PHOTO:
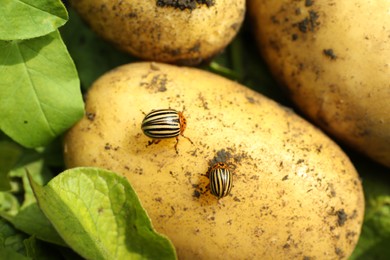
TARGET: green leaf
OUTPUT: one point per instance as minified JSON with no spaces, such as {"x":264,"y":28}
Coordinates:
{"x":29,"y":218}
{"x":39,"y":90}
{"x":374,"y":240}
{"x":37,"y":249}
{"x":9,"y":155}
{"x":24,"y":19}
{"x":8,"y":204}
{"x":92,"y":55}
{"x":68,"y":254}
{"x":99,"y":215}
{"x":52,"y":154}
{"x":33,"y":162}
{"x":11,"y":238}
{"x":7,"y":253}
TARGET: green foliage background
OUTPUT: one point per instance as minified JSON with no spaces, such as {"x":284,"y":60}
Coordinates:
{"x":46,"y":64}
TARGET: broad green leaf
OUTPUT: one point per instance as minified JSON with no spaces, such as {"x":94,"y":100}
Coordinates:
{"x":53,"y":154}
{"x":92,"y":55}
{"x":9,"y":155}
{"x":39,"y":90}
{"x":68,"y":254}
{"x":33,"y":162}
{"x":99,"y":215}
{"x":374,"y":240}
{"x":37,"y":249}
{"x":11,"y":238}
{"x":31,"y":220}
{"x":24,"y":19}
{"x":7,"y":253}
{"x":8,"y":204}
{"x":375,"y":237}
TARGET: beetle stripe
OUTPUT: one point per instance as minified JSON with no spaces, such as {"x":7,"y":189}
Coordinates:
{"x":161,"y":112}
{"x":158,"y":134}
{"x":162,"y":123}
{"x":220,"y":182}
{"x":167,"y":121}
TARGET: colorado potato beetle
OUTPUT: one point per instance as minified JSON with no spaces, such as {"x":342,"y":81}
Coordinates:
{"x":221,"y":181}
{"x":164,"y":123}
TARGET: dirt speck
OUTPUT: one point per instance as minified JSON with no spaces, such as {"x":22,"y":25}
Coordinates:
{"x":294,"y":37}
{"x":184,"y":4}
{"x":339,"y":252}
{"x":341,"y":217}
{"x":300,"y":161}
{"x":204,"y":102}
{"x":131,"y":14}
{"x":331,"y":190}
{"x":309,"y":23}
{"x":195,"y":48}
{"x":308,"y":3}
{"x":158,"y":83}
{"x":330,"y":53}
{"x":196,"y":194}
{"x":90,"y":116}
{"x":350,"y":235}
{"x":221,"y":156}
{"x":250,"y":100}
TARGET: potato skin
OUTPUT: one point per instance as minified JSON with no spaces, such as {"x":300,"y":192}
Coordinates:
{"x":295,"y":193}
{"x":333,"y":57}
{"x":164,"y":33}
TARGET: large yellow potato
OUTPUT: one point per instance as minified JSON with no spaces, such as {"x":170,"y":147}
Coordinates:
{"x":182,"y":32}
{"x":295,"y":193}
{"x":334,"y":58}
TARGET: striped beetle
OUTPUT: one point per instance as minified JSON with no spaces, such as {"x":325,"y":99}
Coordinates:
{"x":221,"y":181}
{"x":164,"y":123}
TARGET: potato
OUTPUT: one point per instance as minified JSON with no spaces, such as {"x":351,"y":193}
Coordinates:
{"x":295,"y":193}
{"x":181,"y":32}
{"x":334,"y":59}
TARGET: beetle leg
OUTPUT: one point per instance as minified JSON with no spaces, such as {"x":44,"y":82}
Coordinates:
{"x":154,"y":141}
{"x":177,"y":141}
{"x":187,"y":138}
